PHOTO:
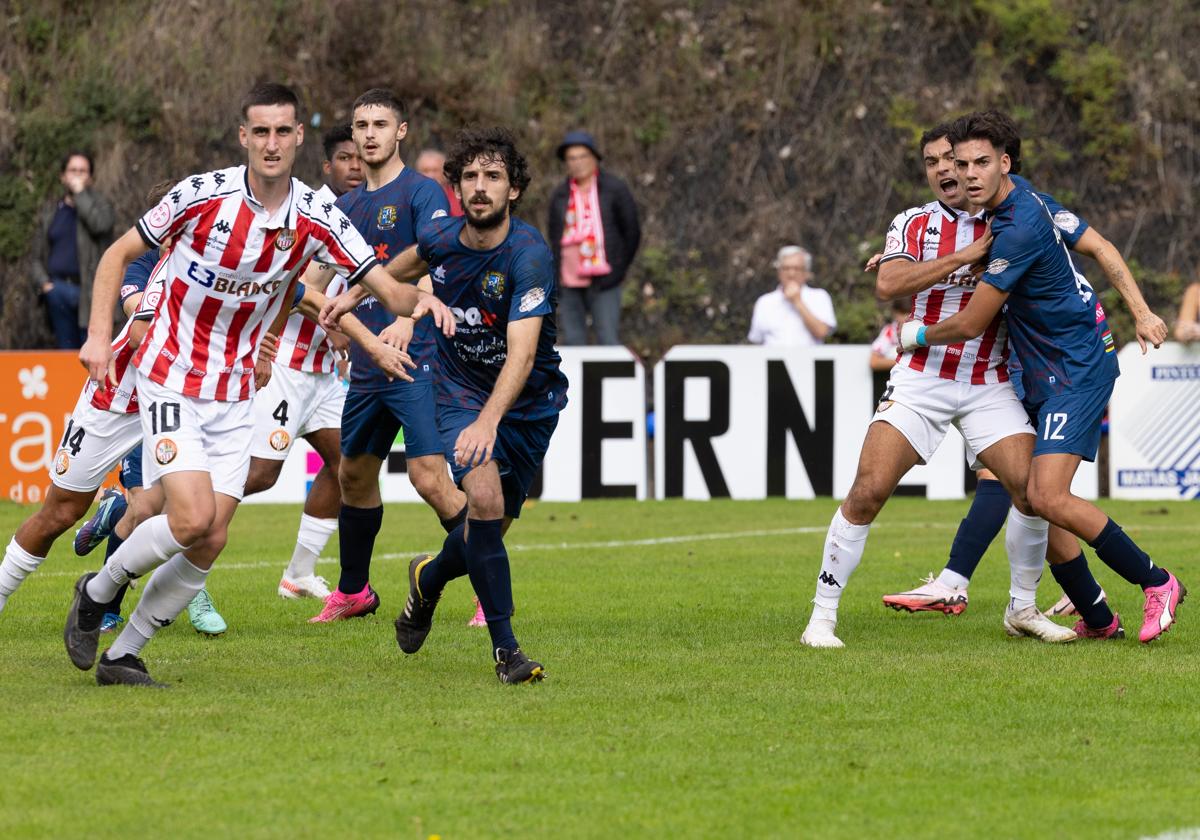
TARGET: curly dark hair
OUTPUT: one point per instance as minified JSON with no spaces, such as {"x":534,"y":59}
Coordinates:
{"x":490,"y":144}
{"x":996,"y":127}
{"x":336,"y":135}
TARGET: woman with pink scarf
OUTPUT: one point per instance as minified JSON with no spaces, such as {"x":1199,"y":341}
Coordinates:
{"x":594,"y":233}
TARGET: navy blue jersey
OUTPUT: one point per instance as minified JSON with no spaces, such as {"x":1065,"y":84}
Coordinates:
{"x":388,"y":220}
{"x":1056,"y":328}
{"x":137,"y":275}
{"x":486,"y":290}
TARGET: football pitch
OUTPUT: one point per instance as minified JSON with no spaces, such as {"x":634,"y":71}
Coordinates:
{"x":678,"y":700}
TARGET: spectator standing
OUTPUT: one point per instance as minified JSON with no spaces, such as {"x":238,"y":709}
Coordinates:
{"x":887,"y":344}
{"x":432,"y":164}
{"x":1187,"y":325}
{"x":594,"y":233}
{"x":73,"y":231}
{"x":795,"y":314}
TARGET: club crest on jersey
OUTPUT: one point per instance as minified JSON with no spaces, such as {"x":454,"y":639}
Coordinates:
{"x":386,"y":220}
{"x":165,"y":451}
{"x":493,"y":285}
{"x":532,"y":299}
{"x":285,"y":239}
{"x":997,"y":266}
{"x":62,"y":462}
{"x":279,"y":440}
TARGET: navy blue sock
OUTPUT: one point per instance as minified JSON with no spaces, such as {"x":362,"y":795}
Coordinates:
{"x":451,"y":563}
{"x":1081,"y":587}
{"x":487,"y":564}
{"x":1122,"y":555}
{"x":455,"y":521}
{"x":357,"y":528}
{"x":979,"y":527}
{"x":114,"y":542}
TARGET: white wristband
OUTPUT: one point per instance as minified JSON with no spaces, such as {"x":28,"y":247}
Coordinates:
{"x":908,"y":335}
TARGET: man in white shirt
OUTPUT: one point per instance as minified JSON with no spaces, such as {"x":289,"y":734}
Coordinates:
{"x":795,"y":314}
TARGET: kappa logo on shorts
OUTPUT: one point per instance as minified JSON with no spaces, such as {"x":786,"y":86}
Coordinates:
{"x":997,"y":266}
{"x":279,"y":440}
{"x":285,"y":239}
{"x":885,"y":405}
{"x":386,"y":220}
{"x":165,"y":451}
{"x":62,"y":462}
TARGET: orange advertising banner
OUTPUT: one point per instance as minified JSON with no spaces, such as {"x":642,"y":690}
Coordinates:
{"x":38,"y":392}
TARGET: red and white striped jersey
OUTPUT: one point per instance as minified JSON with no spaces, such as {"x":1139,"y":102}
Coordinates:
{"x":926,"y":233}
{"x":122,"y":398}
{"x":303,"y":345}
{"x":232,"y":266}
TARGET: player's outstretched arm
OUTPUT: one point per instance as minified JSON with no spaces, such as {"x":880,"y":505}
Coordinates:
{"x":902,"y":277}
{"x":962,"y":326}
{"x":96,"y":353}
{"x":391,"y":360}
{"x":406,"y":266}
{"x":1150,"y":328}
{"x":474,"y":445}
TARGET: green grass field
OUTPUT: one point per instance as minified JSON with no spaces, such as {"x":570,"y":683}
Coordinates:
{"x":678,"y":700}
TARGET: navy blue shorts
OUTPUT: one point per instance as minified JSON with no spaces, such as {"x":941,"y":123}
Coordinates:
{"x":370,"y":421}
{"x":1070,"y":423}
{"x":520,"y":447}
{"x":131,"y":469}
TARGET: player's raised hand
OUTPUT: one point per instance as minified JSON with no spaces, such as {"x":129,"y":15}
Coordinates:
{"x":1150,"y":328}
{"x":475,"y":443}
{"x":434,"y":308}
{"x":398,"y":333}
{"x":976,"y":253}
{"x":873,"y":263}
{"x":391,"y":360}
{"x":96,"y":356}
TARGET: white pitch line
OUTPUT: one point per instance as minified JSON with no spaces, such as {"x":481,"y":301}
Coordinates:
{"x":1178,"y":834}
{"x":559,"y":546}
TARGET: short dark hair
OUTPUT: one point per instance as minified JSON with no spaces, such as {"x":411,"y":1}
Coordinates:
{"x":936,"y":133}
{"x":338,"y":134}
{"x":74,"y":153}
{"x":492,"y":144}
{"x":386,"y":98}
{"x":994,"y":126}
{"x":158,"y":192}
{"x":270,"y":93}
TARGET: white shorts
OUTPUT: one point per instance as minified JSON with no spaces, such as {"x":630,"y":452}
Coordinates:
{"x":294,"y":404}
{"x":95,"y":441}
{"x":186,"y":433}
{"x":921,"y":407}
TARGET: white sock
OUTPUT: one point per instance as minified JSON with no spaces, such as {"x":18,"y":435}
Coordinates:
{"x":311,"y":540}
{"x":172,"y":586}
{"x":953,"y":579}
{"x":844,"y":546}
{"x":147,"y":547}
{"x":1025,"y":538}
{"x":18,"y":564}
